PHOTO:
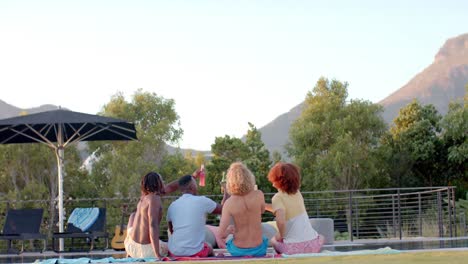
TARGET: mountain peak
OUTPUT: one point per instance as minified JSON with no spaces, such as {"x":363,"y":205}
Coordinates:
{"x":441,"y":82}
{"x":454,"y":49}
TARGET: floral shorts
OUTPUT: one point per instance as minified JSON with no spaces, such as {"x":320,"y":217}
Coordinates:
{"x":309,"y":246}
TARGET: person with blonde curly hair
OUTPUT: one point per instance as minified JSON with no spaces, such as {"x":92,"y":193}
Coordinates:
{"x":245,"y":208}
{"x":295,"y":235}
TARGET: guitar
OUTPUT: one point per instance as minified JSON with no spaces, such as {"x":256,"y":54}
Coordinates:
{"x":117,"y":242}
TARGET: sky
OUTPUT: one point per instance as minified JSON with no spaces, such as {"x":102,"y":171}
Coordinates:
{"x":225,"y":63}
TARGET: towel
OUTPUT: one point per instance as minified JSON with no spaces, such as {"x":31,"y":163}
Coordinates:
{"x":83,"y":218}
{"x":133,"y":260}
{"x":88,"y":260}
{"x":385,"y":250}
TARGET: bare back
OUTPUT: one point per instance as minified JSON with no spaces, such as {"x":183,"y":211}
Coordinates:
{"x":147,"y":218}
{"x":246,"y":211}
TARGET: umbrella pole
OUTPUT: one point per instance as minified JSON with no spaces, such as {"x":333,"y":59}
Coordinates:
{"x":60,"y":158}
{"x":60,"y":154}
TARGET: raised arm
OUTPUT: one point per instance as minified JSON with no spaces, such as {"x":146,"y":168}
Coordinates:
{"x":219,"y":207}
{"x":171,"y":187}
{"x":174,"y":185}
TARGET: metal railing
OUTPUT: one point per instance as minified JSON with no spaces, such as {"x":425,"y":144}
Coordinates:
{"x":388,"y":213}
{"x":357,"y":214}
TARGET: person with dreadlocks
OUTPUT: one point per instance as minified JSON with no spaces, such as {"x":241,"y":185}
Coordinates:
{"x":142,"y":239}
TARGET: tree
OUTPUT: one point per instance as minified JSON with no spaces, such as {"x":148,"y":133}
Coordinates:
{"x":396,"y":162}
{"x":253,"y":153}
{"x":416,"y":132}
{"x":333,"y":140}
{"x":276,"y":157}
{"x":225,"y":151}
{"x":200,"y":159}
{"x":120,"y":165}
{"x":176,"y":165}
{"x":455,"y":140}
{"x":258,"y":160}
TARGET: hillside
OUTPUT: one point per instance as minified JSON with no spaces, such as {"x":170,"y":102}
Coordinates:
{"x":438,"y":84}
{"x":8,"y":110}
{"x":275,"y":134}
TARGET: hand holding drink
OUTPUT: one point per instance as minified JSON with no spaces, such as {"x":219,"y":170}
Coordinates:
{"x":202,"y":176}
{"x":222,"y":183}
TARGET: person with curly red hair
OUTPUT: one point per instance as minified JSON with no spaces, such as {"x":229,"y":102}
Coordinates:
{"x":295,"y":235}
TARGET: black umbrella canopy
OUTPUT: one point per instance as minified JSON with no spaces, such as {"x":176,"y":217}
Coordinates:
{"x":45,"y":126}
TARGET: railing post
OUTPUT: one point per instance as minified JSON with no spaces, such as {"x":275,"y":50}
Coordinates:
{"x":449,"y":207}
{"x":350,"y":216}
{"x":454,"y":211}
{"x":420,"y":214}
{"x":393,"y":216}
{"x":399,"y":215}
{"x":356,"y":205}
{"x":463,"y":223}
{"x":439,"y":214}
{"x":317,"y":207}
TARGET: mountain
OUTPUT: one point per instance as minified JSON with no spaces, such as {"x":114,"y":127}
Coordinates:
{"x":439,"y":84}
{"x":8,"y":110}
{"x":275,"y":134}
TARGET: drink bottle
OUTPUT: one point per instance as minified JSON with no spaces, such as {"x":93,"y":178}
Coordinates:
{"x":223,"y":182}
{"x":202,"y":176}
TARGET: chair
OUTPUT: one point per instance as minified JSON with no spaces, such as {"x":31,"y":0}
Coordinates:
{"x":325,"y":227}
{"x":92,"y":231}
{"x":23,"y":224}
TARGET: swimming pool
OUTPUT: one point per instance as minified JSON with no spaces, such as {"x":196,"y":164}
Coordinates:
{"x":414,"y":244}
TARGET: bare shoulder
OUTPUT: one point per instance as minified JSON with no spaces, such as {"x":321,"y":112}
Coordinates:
{"x":259,"y":197}
{"x":229,"y":202}
{"x":153,"y":199}
{"x":258,"y":193}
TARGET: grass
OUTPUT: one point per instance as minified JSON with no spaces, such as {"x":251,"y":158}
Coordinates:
{"x":452,"y":257}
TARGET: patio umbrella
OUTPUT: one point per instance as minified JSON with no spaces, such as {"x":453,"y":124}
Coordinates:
{"x":60,"y":128}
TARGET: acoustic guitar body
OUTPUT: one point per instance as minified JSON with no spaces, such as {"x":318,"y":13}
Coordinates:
{"x":117,"y":242}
